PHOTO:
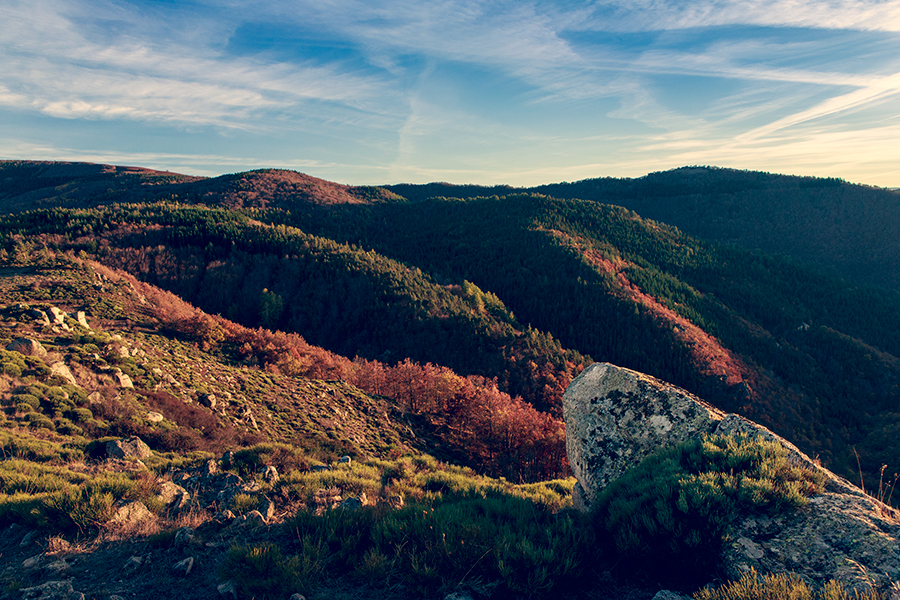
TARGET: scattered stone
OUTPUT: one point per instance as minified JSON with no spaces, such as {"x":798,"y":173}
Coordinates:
{"x":269,"y":512}
{"x":155,"y":417}
{"x":58,"y":317}
{"x":320,"y":468}
{"x":207,"y":400}
{"x":183,"y":568}
{"x":134,"y":563}
{"x":669,"y":595}
{"x":59,"y":369}
{"x":354,"y":503}
{"x":184,"y":537}
{"x":53,"y":590}
{"x":228,"y":589}
{"x":175,"y":496}
{"x":254,"y":518}
{"x":32,"y":561}
{"x":157,"y":372}
{"x":616,"y":417}
{"x":297,"y":597}
{"x":271,"y":474}
{"x":95,"y":398}
{"x":131,"y":515}
{"x":38,"y":315}
{"x":27,"y":347}
{"x":28,"y":538}
{"x":122,"y":379}
{"x":82,"y":319}
{"x":344,"y":460}
{"x":133,"y":447}
{"x":57,"y":568}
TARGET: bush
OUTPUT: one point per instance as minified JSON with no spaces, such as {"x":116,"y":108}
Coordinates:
{"x":262,"y":572}
{"x":674,"y":507}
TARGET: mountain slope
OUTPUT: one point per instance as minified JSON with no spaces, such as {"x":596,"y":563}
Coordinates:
{"x":522,"y":288}
{"x":830,"y":223}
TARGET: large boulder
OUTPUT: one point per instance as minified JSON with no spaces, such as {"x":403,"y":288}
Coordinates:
{"x":133,"y":447}
{"x":616,"y":417}
{"x":27,"y":347}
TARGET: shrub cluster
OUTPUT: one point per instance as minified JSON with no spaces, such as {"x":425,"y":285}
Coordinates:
{"x":675,"y":506}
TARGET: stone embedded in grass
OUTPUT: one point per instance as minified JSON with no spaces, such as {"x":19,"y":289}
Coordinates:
{"x":183,"y":567}
{"x":133,"y":447}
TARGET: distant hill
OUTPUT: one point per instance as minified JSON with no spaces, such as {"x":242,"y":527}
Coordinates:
{"x":845,"y":228}
{"x":506,"y":291}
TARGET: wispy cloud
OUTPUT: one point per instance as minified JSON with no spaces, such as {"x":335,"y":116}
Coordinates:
{"x":51,"y":65}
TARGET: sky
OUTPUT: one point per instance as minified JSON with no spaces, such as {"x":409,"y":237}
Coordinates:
{"x":463,"y":91}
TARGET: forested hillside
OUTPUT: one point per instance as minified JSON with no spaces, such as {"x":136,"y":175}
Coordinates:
{"x":517,"y":290}
{"x":845,"y":228}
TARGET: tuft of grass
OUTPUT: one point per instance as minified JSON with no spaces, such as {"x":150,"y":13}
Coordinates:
{"x":675,"y":506}
{"x":781,"y":586}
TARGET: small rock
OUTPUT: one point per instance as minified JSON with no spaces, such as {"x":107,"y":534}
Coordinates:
{"x":27,"y":347}
{"x":271,"y":474}
{"x":183,"y":568}
{"x":59,"y":369}
{"x":131,"y":515}
{"x":122,"y":379}
{"x":133,"y":563}
{"x":82,"y":319}
{"x":228,"y":589}
{"x":353,"y":503}
{"x":184,"y":537}
{"x":57,"y":568}
{"x":344,"y":460}
{"x":53,"y":590}
{"x":269,"y":511}
{"x":173,"y":495}
{"x":133,"y":447}
{"x":95,"y":398}
{"x":29,"y":537}
{"x":58,"y":317}
{"x":207,"y":400}
{"x":254,"y":518}
{"x":32,"y":561}
{"x":297,"y":597}
{"x":669,"y":595}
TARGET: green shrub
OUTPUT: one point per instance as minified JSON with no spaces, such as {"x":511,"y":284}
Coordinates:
{"x":39,"y":421}
{"x":81,"y":415}
{"x":67,"y":427}
{"x":262,"y":572}
{"x":11,"y":369}
{"x":674,"y":507}
{"x":244,"y":503}
{"x":29,"y":399}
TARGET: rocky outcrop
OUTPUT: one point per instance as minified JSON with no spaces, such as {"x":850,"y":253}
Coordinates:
{"x":616,"y":417}
{"x":27,"y":347}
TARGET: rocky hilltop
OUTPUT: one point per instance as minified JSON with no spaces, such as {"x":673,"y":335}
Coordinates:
{"x":616,"y":418}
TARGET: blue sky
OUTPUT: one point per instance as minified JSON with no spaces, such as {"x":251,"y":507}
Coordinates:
{"x":465,"y":91}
